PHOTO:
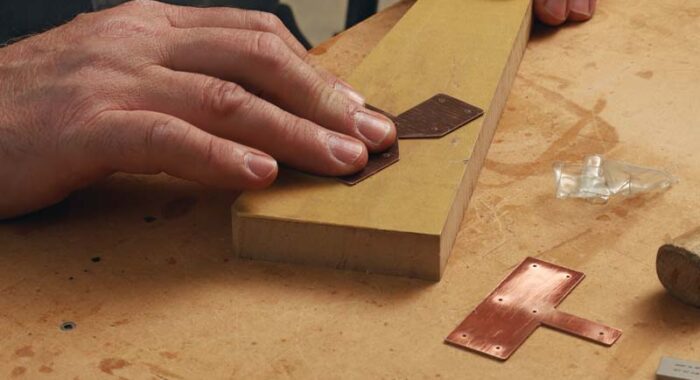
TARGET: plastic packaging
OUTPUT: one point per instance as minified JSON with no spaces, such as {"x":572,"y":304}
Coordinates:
{"x":598,"y":179}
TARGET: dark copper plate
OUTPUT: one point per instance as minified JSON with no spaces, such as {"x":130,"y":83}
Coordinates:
{"x":435,"y":117}
{"x":381,"y":111}
{"x":526,"y":299}
{"x":375,"y":163}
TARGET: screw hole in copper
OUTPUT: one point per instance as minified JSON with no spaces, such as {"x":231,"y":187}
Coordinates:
{"x":498,"y":348}
{"x":534,"y":265}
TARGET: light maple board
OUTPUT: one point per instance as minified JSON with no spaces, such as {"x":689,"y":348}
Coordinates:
{"x":402,"y":221}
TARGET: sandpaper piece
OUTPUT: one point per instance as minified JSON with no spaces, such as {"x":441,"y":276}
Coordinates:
{"x":375,"y":163}
{"x":676,"y":369}
{"x":525,"y":300}
{"x":435,"y":117}
{"x":381,"y":111}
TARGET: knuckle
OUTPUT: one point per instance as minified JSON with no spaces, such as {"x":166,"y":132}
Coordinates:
{"x":164,"y":132}
{"x":272,"y":50}
{"x":270,"y":22}
{"x":319,"y":95}
{"x":79,"y":106}
{"x":224,"y":98}
{"x":82,"y":18}
{"x":211,"y":152}
{"x":171,"y":14}
{"x":139,"y":4}
{"x":300,"y":132}
{"x":125,"y":26}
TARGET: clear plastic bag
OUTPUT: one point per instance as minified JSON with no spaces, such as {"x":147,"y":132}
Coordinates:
{"x":598,"y":179}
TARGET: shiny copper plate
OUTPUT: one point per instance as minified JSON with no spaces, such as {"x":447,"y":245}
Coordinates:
{"x":525,"y":300}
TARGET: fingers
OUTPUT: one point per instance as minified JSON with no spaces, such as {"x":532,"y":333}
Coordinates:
{"x":191,"y":17}
{"x":149,"y":142}
{"x":582,"y":10}
{"x":556,"y":12}
{"x":262,"y":63}
{"x":229,"y":111}
{"x":194,"y":17}
{"x":224,"y":17}
{"x":551,"y":12}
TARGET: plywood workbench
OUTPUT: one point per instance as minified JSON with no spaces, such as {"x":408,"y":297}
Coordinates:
{"x":165,"y":300}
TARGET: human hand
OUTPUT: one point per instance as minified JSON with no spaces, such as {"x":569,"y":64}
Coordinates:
{"x":211,"y":95}
{"x":556,"y":12}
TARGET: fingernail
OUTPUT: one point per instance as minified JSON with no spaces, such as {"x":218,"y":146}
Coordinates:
{"x":582,"y":7}
{"x":345,"y":149}
{"x":261,"y":166}
{"x":347,"y":90}
{"x":556,"y":8}
{"x":373,"y":127}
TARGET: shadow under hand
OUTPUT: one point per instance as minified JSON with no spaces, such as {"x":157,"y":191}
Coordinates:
{"x":138,"y":243}
{"x":542,"y":31}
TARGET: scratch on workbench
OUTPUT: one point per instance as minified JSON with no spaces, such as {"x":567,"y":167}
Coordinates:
{"x":161,"y":372}
{"x":493,"y":215}
{"x":564,"y":242}
{"x":597,"y":109}
{"x":299,"y":353}
{"x":497,"y":246}
{"x":562,"y":83}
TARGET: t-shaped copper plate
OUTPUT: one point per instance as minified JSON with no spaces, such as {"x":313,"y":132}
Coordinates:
{"x":526,"y":299}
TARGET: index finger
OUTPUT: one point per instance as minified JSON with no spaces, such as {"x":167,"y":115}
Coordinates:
{"x":193,"y":17}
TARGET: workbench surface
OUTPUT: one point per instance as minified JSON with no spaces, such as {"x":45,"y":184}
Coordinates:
{"x":142,"y":265}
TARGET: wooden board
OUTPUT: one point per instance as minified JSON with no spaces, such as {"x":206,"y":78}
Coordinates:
{"x":166,"y":300}
{"x":404,"y":220}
